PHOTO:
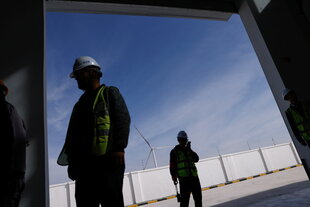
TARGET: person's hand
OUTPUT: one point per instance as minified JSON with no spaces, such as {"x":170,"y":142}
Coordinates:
{"x":175,"y":179}
{"x":188,"y":145}
{"x":119,"y":157}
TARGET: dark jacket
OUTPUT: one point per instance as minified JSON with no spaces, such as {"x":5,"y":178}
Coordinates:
{"x":14,"y":141}
{"x":77,"y":149}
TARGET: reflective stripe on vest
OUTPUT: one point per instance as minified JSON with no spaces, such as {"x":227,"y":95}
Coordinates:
{"x":302,"y":123}
{"x":101,"y":124}
{"x":185,"y":166}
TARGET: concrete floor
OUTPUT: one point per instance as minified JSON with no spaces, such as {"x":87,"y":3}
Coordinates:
{"x":288,"y":188}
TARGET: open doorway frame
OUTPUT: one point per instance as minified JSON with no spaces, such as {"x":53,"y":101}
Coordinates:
{"x":279,"y":32}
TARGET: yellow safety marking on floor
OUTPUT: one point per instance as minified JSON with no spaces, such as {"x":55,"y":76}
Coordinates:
{"x":219,"y":185}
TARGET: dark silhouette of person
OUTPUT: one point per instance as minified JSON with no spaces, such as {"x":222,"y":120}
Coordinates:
{"x":13,"y":153}
{"x":184,"y":171}
{"x":298,"y":115}
{"x":96,"y":139}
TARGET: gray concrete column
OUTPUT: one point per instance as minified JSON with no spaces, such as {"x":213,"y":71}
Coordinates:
{"x":263,"y":159}
{"x":223,"y":168}
{"x":280,"y":33}
{"x":22,"y":68}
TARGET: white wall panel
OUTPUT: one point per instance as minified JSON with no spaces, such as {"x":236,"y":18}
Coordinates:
{"x":247,"y":164}
{"x":127,"y":187}
{"x":157,"y":183}
{"x":58,"y":195}
{"x":279,"y":157}
{"x":210,"y":172}
{"x":151,"y":184}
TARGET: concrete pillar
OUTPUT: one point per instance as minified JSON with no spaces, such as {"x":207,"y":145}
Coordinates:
{"x":132,"y":188}
{"x":223,"y":168}
{"x":137,"y":187}
{"x":22,"y":68}
{"x":263,"y":159}
{"x":70,"y":202}
{"x":280,"y":33}
{"x":298,"y":161}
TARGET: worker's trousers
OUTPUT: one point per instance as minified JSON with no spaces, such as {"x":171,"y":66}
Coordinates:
{"x":190,"y":185}
{"x":11,"y":190}
{"x":104,"y":187}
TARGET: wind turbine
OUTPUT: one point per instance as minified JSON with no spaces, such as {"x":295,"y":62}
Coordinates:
{"x":152,"y":150}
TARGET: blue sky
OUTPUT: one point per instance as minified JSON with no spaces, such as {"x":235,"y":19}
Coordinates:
{"x":200,"y":76}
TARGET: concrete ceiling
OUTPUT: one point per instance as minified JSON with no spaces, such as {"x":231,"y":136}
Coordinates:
{"x":203,"y":9}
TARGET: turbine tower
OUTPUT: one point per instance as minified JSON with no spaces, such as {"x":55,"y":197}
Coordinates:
{"x":152,"y":150}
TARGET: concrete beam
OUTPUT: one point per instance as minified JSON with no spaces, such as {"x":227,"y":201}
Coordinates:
{"x":184,"y":9}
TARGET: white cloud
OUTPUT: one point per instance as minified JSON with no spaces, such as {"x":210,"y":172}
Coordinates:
{"x":224,"y":114}
{"x":57,"y":92}
{"x":60,"y":100}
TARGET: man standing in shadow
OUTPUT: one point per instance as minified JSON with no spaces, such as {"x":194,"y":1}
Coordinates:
{"x":298,"y":115}
{"x":13,"y":152}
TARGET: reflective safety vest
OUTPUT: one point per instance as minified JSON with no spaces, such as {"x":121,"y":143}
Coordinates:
{"x":185,"y":165}
{"x":101,"y":130}
{"x":302,"y":122}
{"x":102,"y":124}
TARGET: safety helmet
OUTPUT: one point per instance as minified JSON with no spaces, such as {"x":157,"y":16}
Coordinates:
{"x":285,"y":92}
{"x":182,"y":134}
{"x":83,"y":62}
{"x":6,"y":90}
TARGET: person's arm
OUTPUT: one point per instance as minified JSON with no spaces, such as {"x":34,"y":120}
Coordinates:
{"x":173,"y":167}
{"x":120,"y":123}
{"x":18,"y":166}
{"x":193,"y":154}
{"x":6,"y":132}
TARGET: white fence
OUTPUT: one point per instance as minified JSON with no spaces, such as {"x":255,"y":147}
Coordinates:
{"x":145,"y":185}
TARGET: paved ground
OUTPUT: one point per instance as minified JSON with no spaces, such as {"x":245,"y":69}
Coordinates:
{"x":288,"y":188}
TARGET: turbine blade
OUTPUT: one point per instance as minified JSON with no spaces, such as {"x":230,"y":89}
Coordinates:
{"x":143,"y":137}
{"x":163,"y":147}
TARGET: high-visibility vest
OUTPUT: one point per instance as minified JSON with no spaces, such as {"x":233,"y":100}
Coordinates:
{"x":185,"y":165}
{"x":102,"y":124}
{"x":302,"y":122}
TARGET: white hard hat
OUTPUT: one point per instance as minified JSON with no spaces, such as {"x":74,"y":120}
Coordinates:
{"x":182,"y":134}
{"x":285,"y":92}
{"x":83,"y":62}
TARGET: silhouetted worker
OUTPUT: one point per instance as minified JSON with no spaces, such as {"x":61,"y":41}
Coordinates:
{"x":13,"y":152}
{"x":96,"y":138}
{"x":182,"y":168}
{"x":298,"y":115}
